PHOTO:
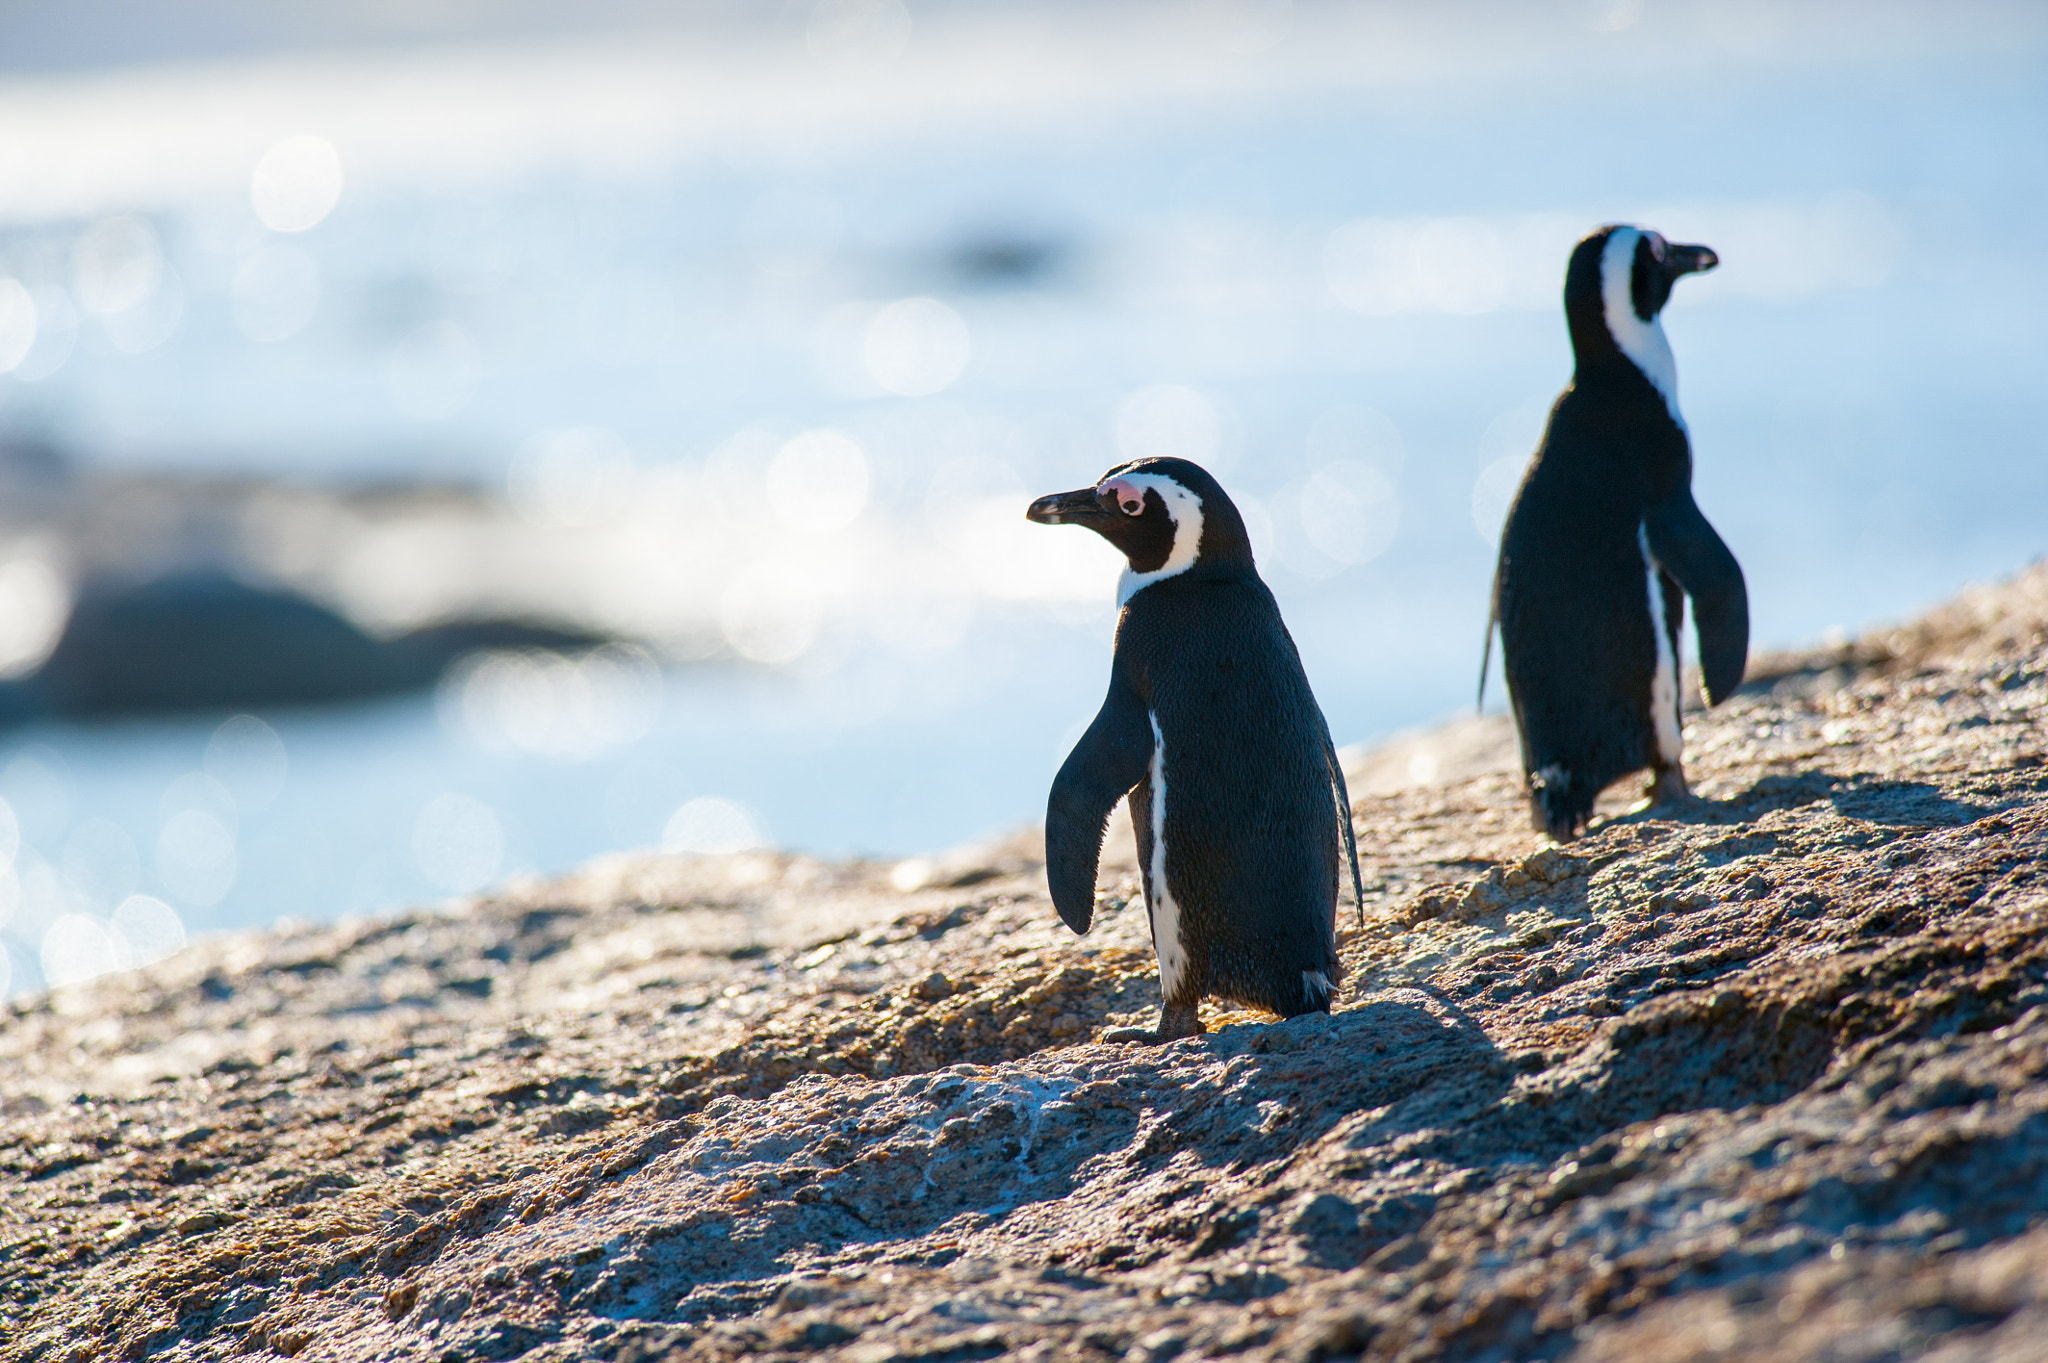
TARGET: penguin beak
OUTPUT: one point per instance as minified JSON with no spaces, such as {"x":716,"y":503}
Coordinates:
{"x":1067,"y":508}
{"x":1685,"y":260}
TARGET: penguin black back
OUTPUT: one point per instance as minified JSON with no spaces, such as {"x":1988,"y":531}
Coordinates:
{"x":1603,"y":544}
{"x":1210,"y":727}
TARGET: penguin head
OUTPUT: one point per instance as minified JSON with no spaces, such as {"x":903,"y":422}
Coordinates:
{"x":1615,"y":287}
{"x":1167,"y":516}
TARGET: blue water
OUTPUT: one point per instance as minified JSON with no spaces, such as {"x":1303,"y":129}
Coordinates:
{"x":1863,"y":380}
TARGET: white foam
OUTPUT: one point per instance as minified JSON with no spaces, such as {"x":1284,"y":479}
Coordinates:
{"x":1643,"y":342}
{"x":1159,"y":902}
{"x":1664,"y":687}
{"x":1184,"y":508}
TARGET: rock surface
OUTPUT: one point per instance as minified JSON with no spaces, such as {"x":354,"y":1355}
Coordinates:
{"x":1761,"y":1078}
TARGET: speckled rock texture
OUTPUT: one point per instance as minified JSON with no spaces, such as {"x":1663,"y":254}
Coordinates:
{"x":1764,"y":1077}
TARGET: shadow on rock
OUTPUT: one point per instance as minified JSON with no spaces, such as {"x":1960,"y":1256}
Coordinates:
{"x":1906,"y":804}
{"x":827,"y":1169}
{"x":1903,"y":804}
{"x":1294,"y":1080}
{"x":830,"y":1167}
{"x":1400,"y":1065}
{"x":1492,"y":1116}
{"x":1683,"y":1053}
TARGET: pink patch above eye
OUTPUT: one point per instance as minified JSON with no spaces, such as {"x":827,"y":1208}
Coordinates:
{"x":1130,"y":498}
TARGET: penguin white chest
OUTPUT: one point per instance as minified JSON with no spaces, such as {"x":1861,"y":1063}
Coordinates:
{"x":1664,"y":683}
{"x":1159,"y":900}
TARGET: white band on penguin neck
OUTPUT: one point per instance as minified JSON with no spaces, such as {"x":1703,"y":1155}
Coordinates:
{"x":1184,"y":508}
{"x":1642,"y":342}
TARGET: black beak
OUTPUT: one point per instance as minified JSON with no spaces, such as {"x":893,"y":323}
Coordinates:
{"x":1685,"y":260}
{"x":1067,"y":508}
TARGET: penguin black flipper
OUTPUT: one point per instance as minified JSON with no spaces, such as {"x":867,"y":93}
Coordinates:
{"x":1686,"y":547}
{"x":1111,"y":757}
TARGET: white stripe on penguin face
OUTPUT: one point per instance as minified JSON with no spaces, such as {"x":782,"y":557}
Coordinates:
{"x":1165,"y":913}
{"x":1184,"y":509}
{"x":1643,"y":342}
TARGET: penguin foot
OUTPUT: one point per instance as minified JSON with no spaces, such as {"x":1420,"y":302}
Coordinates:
{"x":1552,"y":808}
{"x":1559,"y":828}
{"x":1175,"y":1021}
{"x":1668,"y":786}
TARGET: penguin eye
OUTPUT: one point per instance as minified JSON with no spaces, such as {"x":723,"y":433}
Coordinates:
{"x":1656,"y":247}
{"x":1129,"y":500}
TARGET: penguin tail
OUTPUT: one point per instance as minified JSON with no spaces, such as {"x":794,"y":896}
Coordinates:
{"x":1557,"y":805}
{"x":1318,"y":993}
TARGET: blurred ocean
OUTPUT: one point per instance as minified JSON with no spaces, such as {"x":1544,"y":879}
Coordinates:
{"x":765,"y":331}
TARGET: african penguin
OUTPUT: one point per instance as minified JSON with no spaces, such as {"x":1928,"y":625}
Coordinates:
{"x":1236,"y":796}
{"x":1603,"y":544}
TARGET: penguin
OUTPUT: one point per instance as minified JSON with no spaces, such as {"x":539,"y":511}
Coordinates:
{"x":1603,"y":543}
{"x":1236,"y":795}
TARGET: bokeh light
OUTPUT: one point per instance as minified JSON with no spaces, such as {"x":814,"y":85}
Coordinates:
{"x":1493,"y":492}
{"x":195,"y":856}
{"x":1172,"y":421}
{"x":916,"y":347}
{"x":248,"y":759}
{"x":580,"y":476}
{"x":35,"y":603}
{"x":770,"y":613}
{"x":121,"y":276}
{"x":1350,"y":511}
{"x":459,"y":842}
{"x":1352,"y":432}
{"x":275,"y":292}
{"x":17,"y":324}
{"x":712,"y":826}
{"x":76,"y":948}
{"x":818,"y":482}
{"x":145,"y":929}
{"x":296,"y":184}
{"x":555,"y":705}
{"x":1505,"y":449}
{"x":40,"y":794}
{"x":117,"y":265}
{"x":54,"y":333}
{"x":101,"y":863}
{"x":10,"y":880}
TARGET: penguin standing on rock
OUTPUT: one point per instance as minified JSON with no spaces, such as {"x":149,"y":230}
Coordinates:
{"x":1603,"y":544}
{"x":1236,"y":796}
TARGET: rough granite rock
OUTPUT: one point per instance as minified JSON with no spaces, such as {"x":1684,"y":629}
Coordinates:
{"x":1763,"y":1078}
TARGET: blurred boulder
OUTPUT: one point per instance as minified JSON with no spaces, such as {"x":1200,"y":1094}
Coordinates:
{"x":209,"y":641}
{"x":1003,"y":260}
{"x":32,"y":465}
